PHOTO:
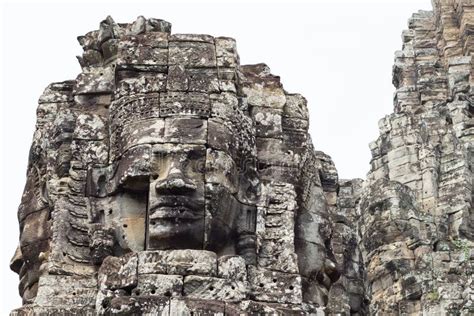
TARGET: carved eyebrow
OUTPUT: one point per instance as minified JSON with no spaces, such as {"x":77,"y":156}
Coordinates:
{"x":179,"y":149}
{"x":191,"y":153}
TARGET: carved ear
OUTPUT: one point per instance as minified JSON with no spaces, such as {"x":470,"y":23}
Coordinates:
{"x":249,"y":182}
{"x":40,"y":186}
{"x":96,"y":183}
{"x":222,"y":211}
{"x":102,"y":241}
{"x":246,"y":233}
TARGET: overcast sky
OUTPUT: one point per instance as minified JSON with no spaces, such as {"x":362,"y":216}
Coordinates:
{"x":337,"y":53}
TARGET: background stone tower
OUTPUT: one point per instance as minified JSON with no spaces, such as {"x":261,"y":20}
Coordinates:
{"x":417,"y":209}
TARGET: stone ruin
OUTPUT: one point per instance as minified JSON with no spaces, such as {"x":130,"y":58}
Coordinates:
{"x":168,"y":179}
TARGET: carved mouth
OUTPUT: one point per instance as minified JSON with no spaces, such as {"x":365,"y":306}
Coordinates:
{"x":173,"y":213}
{"x":176,"y":208}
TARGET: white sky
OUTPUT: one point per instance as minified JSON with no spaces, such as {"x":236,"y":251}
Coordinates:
{"x":337,"y":53}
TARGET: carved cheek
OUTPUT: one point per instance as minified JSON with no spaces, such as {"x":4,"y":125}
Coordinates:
{"x":35,"y":228}
{"x":128,"y":218}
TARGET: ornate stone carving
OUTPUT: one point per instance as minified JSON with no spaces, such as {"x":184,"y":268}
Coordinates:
{"x":169,"y":179}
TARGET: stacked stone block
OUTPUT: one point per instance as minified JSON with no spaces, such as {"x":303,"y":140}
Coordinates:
{"x":425,"y":146}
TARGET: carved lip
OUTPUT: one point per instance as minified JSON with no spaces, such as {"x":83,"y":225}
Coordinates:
{"x":23,"y":271}
{"x":176,"y":208}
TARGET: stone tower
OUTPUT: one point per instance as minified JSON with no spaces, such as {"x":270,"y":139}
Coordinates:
{"x":417,"y":208}
{"x":168,"y":179}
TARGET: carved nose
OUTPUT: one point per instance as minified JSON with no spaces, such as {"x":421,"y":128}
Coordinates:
{"x":175,"y":182}
{"x":17,"y":261}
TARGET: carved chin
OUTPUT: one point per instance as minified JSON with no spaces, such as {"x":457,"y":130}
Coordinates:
{"x":175,"y":233}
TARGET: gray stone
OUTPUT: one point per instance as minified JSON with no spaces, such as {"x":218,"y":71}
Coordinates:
{"x":168,"y":179}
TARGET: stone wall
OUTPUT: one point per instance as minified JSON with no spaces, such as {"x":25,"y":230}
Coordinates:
{"x":417,"y":212}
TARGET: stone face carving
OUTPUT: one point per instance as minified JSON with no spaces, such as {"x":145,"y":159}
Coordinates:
{"x":169,"y":179}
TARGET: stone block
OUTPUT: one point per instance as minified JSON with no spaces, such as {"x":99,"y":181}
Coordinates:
{"x":271,"y":286}
{"x":118,"y":272}
{"x":231,"y":267}
{"x":268,"y":121}
{"x":226,"y":52}
{"x":159,"y":285}
{"x":61,"y":290}
{"x":192,"y":54}
{"x":210,"y":288}
{"x":191,"y":262}
{"x":203,"y":80}
{"x":152,"y":262}
{"x":136,"y":305}
{"x":141,"y":55}
{"x":190,"y":306}
{"x":296,"y":107}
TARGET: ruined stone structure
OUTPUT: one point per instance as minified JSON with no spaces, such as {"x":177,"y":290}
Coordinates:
{"x":417,"y":227}
{"x":168,"y":179}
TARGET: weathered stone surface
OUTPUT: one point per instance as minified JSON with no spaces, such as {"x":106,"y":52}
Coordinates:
{"x":417,"y":202}
{"x":165,"y":170}
{"x":168,"y":179}
{"x":159,"y":284}
{"x":231,"y":267}
{"x":192,"y":262}
{"x":214,"y":288}
{"x":277,"y":287}
{"x":196,"y":307}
